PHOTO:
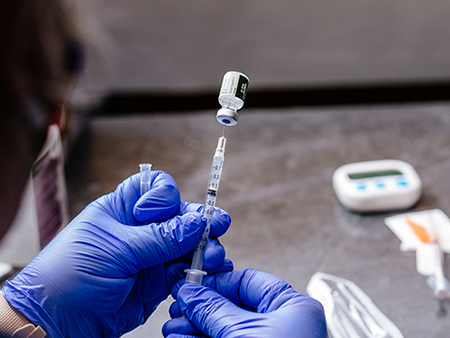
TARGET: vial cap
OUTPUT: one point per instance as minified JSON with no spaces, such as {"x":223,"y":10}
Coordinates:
{"x":227,"y":117}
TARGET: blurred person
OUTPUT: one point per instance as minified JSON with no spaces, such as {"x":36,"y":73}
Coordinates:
{"x":108,"y":270}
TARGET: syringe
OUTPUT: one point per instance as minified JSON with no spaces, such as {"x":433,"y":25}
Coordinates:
{"x":231,"y":97}
{"x":195,"y":273}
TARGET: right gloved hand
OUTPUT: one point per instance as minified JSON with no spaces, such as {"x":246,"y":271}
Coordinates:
{"x":246,"y":303}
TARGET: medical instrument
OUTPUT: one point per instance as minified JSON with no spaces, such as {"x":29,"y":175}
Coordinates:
{"x":377,"y":186}
{"x":437,"y":282}
{"x":195,"y":274}
{"x":231,"y":96}
{"x":434,"y":219}
{"x":145,"y":178}
{"x":349,"y":310}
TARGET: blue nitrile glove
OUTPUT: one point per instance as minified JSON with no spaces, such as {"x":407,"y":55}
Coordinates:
{"x":105,"y":273}
{"x":246,"y":303}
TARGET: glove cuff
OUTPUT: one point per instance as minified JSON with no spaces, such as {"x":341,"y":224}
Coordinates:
{"x":15,"y":325}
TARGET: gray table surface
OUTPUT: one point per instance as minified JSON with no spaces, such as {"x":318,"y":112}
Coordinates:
{"x":277,"y":187}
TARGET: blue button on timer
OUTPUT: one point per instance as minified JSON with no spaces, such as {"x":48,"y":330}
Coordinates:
{"x":379,"y":184}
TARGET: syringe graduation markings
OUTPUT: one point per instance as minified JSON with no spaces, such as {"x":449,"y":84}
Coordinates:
{"x":195,"y":274}
{"x":231,"y":97}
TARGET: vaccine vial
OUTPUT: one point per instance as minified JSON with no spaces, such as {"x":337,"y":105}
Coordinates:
{"x":231,"y":97}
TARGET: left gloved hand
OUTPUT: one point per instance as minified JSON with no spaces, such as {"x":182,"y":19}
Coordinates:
{"x":246,"y":303}
{"x":106,"y":272}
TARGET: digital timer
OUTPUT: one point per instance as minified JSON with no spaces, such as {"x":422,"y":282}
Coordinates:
{"x":377,"y":186}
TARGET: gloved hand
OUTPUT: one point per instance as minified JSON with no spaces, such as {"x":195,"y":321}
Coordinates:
{"x":106,"y":272}
{"x":246,"y":303}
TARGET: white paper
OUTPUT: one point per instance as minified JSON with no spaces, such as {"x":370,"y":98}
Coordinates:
{"x":435,"y":221}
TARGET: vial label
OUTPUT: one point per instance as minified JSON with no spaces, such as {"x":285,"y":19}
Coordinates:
{"x":233,"y":91}
{"x":242,"y":88}
{"x":234,"y":84}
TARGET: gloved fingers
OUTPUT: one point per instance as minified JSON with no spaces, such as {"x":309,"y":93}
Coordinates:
{"x":226,"y":266}
{"x":226,"y":284}
{"x":178,"y":323}
{"x":251,"y":288}
{"x":162,"y":242}
{"x":186,"y":207}
{"x":119,"y":203}
{"x":140,"y":301}
{"x":180,"y":328}
{"x":214,"y":254}
{"x":161,"y":202}
{"x":175,"y":310}
{"x":150,"y":289}
{"x":263,"y":291}
{"x":220,"y":221}
{"x":175,"y":273}
{"x":207,"y":310}
{"x":175,"y":335}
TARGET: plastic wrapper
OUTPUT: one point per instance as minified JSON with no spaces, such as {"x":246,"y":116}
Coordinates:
{"x":350,"y":313}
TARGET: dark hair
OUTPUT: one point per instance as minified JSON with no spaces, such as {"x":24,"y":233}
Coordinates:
{"x":39,"y":54}
{"x":39,"y":50}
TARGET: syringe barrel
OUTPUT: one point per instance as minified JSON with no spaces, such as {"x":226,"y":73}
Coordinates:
{"x":440,"y":288}
{"x":195,"y":273}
